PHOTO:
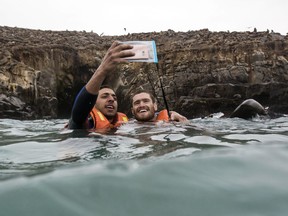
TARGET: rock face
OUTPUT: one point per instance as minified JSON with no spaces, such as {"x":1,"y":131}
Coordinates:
{"x":202,"y":72}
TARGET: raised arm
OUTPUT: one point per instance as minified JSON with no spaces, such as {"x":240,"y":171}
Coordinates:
{"x":115,"y":55}
{"x":87,"y":97}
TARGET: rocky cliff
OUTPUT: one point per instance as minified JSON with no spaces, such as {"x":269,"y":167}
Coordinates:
{"x":202,"y":72}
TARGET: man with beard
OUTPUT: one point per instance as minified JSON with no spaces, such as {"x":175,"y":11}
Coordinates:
{"x":144,"y":108}
{"x":103,"y":115}
{"x":95,"y":107}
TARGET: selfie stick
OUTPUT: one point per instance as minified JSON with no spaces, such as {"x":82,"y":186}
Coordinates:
{"x":163,"y":93}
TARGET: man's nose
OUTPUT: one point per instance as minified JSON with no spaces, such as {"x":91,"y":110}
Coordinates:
{"x":111,"y":98}
{"x":141,"y":103}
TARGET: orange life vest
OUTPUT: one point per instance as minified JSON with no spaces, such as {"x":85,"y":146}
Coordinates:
{"x":101,"y":122}
{"x":163,"y":115}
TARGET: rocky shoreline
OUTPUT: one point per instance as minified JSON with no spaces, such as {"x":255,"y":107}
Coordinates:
{"x":203,"y":72}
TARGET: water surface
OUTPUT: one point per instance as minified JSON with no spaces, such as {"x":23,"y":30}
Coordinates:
{"x":208,"y":167}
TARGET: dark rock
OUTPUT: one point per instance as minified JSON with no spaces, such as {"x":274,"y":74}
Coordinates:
{"x":202,"y":72}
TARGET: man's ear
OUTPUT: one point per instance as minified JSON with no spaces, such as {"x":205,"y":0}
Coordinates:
{"x":132,"y":111}
{"x":155,"y":107}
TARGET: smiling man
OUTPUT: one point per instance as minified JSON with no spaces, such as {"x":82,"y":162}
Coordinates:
{"x":103,"y":115}
{"x":95,"y":107}
{"x":144,"y":108}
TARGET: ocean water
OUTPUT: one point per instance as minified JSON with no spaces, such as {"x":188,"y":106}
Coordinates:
{"x":210,"y":166}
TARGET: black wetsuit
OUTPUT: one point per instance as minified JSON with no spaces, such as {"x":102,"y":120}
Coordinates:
{"x":82,"y":106}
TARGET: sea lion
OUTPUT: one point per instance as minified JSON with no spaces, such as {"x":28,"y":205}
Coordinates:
{"x":249,"y":109}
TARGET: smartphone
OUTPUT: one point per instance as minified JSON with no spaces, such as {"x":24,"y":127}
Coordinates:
{"x":145,"y":51}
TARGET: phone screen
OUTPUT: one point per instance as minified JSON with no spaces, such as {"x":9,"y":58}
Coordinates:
{"x":141,"y":52}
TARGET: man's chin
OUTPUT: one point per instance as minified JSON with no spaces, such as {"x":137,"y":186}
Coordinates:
{"x":144,"y":118}
{"x":110,"y":115}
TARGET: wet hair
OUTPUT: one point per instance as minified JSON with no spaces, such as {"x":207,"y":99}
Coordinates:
{"x":106,"y":86}
{"x":142,"y":91}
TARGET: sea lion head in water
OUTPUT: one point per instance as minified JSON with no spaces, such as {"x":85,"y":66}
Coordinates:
{"x":248,"y":109}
